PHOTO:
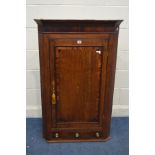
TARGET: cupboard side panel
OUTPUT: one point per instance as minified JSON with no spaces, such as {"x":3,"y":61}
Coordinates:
{"x":110,"y":79}
{"x":45,"y":84}
{"x":40,"y":38}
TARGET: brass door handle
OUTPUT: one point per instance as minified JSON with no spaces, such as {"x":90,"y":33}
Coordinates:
{"x":53,"y":93}
{"x":53,"y":98}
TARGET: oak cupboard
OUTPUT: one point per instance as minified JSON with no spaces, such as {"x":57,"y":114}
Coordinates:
{"x":77,"y":70}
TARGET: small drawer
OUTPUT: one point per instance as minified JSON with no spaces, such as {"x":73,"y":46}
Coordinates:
{"x":79,"y":42}
{"x":77,"y":135}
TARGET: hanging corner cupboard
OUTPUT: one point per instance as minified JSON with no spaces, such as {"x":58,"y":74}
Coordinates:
{"x":77,"y":70}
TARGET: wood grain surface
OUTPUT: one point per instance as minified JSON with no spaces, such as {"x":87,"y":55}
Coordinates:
{"x":77,"y":64}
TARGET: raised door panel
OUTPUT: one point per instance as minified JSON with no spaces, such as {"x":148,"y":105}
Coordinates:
{"x":78,"y":77}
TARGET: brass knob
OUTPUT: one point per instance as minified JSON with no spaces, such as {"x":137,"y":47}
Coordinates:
{"x":97,"y":134}
{"x":56,"y":135}
{"x":77,"y":135}
{"x":79,"y":41}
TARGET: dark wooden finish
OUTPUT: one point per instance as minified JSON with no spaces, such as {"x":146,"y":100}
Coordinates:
{"x":77,"y":64}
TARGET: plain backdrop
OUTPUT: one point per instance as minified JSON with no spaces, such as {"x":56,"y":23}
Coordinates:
{"x":81,"y":9}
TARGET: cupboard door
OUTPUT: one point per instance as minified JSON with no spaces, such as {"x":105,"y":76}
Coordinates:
{"x":78,"y":75}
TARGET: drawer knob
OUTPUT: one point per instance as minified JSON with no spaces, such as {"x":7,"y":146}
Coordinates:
{"x":77,"y":135}
{"x":56,"y":135}
{"x":79,"y":41}
{"x":97,"y":134}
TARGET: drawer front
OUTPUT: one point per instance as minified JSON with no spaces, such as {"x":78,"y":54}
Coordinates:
{"x":78,"y":42}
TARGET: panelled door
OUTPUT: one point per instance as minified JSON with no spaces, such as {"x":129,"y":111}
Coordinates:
{"x":78,"y":78}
